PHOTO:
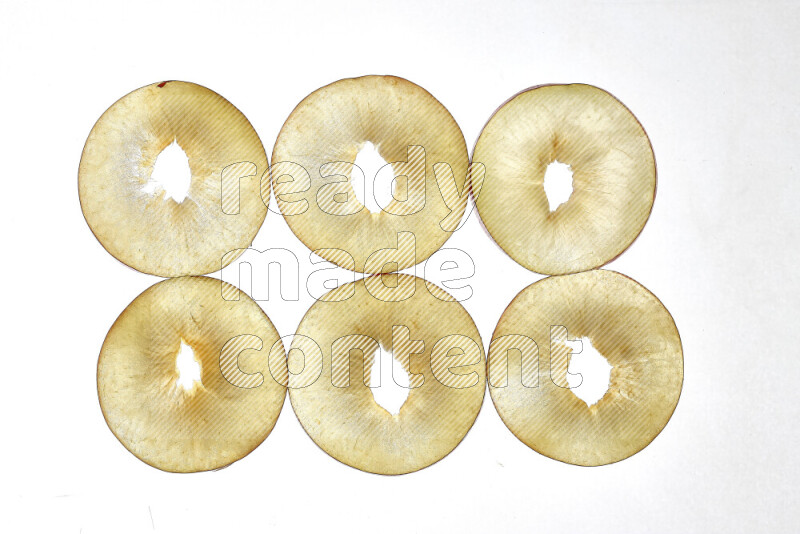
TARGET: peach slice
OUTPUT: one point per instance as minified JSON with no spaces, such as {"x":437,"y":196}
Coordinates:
{"x":614,"y":178}
{"x":333,"y":354}
{"x":135,"y":219}
{"x":529,"y":359}
{"x":313,"y":162}
{"x":196,"y":425}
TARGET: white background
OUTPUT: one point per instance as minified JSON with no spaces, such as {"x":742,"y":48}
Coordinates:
{"x":714,"y":84}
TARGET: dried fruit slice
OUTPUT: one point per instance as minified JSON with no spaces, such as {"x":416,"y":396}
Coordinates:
{"x":431,"y":335}
{"x":614,"y":178}
{"x":138,"y":223}
{"x":313,"y":165}
{"x":529,"y":357}
{"x":202,"y":425}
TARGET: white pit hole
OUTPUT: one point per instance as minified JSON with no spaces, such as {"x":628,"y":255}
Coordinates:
{"x":171,"y":174}
{"x":188,"y":368}
{"x":594,"y":371}
{"x":378,"y":178}
{"x":391,"y":388}
{"x":557,"y":184}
